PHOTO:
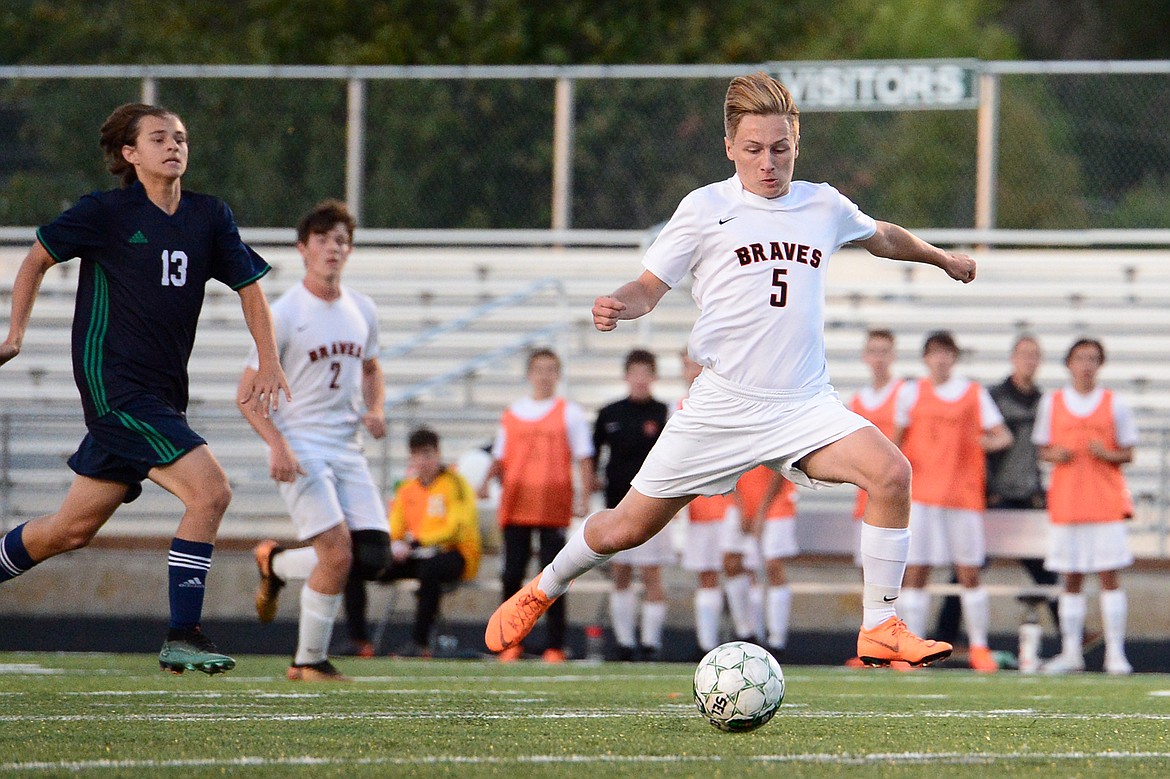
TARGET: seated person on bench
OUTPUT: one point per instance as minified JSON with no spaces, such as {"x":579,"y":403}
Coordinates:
{"x":434,"y":539}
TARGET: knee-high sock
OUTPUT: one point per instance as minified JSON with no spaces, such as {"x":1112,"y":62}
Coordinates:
{"x":623,"y":616}
{"x":294,"y":563}
{"x":1114,"y":610}
{"x":756,"y":599}
{"x":739,"y":603}
{"x":1072,"y":608}
{"x":778,"y":610}
{"x":914,"y":608}
{"x":883,"y":563}
{"x":708,"y":608}
{"x":573,"y":560}
{"x":976,"y":615}
{"x":318,"y":611}
{"x":187,"y":567}
{"x":14,"y":559}
{"x":653,"y":620}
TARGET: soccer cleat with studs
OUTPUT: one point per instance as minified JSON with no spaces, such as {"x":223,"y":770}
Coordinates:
{"x":270,"y":584}
{"x":892,"y":641}
{"x":323,"y":671}
{"x":190,"y":650}
{"x":516,"y":616}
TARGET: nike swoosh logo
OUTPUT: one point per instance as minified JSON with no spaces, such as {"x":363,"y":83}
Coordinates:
{"x":891,"y":647}
{"x":725,"y":221}
{"x":888,"y":599}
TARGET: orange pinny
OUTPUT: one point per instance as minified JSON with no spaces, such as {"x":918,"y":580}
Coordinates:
{"x":752,"y":486}
{"x":537,"y":466}
{"x":882,"y":417}
{"x":1085,"y":489}
{"x":942,"y":445}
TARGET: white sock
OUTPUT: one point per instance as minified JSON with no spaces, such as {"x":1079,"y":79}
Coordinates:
{"x":1071,"y":607}
{"x":976,"y":615}
{"x":1114,"y":609}
{"x":708,"y":607}
{"x":779,"y":608}
{"x":653,"y":620}
{"x":573,"y":560}
{"x":915,"y":608}
{"x":756,"y":598}
{"x":740,"y":605}
{"x":294,"y":563}
{"x":883,"y":563}
{"x":623,"y":615}
{"x":318,"y":611}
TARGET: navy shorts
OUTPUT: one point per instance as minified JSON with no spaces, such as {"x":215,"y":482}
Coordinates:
{"x":125,"y":444}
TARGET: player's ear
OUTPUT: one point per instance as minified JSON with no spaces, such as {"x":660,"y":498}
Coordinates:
{"x":129,"y":153}
{"x":727,"y":147}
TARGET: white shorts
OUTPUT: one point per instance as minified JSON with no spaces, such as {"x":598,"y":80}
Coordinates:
{"x":657,"y":551}
{"x":944,"y":536}
{"x":704,"y":547}
{"x":732,"y":540}
{"x":724,"y":430}
{"x":1088,"y":547}
{"x":331,"y":492}
{"x":777,"y":539}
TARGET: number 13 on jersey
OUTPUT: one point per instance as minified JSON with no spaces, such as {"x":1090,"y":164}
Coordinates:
{"x":174,"y":268}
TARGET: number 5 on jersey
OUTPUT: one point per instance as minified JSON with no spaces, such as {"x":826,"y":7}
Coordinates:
{"x":780,"y":296}
{"x":174,"y":268}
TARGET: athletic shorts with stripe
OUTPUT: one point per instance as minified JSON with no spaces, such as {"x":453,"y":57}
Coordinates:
{"x":127,"y":443}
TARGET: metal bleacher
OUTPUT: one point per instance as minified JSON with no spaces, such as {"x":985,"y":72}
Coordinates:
{"x":424,"y":295}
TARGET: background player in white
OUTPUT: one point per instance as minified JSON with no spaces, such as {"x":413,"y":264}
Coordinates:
{"x":327,"y":336}
{"x":757,"y":246}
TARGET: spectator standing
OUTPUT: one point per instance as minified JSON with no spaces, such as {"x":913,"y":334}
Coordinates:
{"x":1087,"y":433}
{"x":628,"y":428}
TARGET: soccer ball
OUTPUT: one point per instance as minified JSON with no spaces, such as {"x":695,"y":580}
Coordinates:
{"x":738,"y":686}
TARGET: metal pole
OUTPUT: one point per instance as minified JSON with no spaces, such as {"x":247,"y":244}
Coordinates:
{"x":987,"y":163}
{"x":150,"y":90}
{"x":355,"y":153}
{"x":562,"y":182}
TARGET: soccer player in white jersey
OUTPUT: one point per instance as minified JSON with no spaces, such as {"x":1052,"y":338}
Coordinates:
{"x":757,"y":246}
{"x":327,"y":335}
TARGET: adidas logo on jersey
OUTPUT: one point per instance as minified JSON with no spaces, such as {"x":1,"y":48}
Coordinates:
{"x":138,"y":237}
{"x":194,"y":581}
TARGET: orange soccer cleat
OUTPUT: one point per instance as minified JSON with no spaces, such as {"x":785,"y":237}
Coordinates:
{"x":514,"y":619}
{"x":553,"y":656}
{"x":511,"y":654}
{"x":891,"y":641}
{"x":981,"y":660}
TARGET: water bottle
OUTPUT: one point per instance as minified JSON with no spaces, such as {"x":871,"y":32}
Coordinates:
{"x":594,"y":644}
{"x":1029,"y":655}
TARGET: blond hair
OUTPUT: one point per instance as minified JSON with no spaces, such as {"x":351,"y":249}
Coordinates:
{"x":758,"y":94}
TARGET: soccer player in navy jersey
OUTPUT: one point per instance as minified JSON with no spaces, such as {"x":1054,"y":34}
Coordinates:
{"x":147,"y":251}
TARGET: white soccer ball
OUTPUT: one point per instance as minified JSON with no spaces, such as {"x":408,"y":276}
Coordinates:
{"x":738,"y":686}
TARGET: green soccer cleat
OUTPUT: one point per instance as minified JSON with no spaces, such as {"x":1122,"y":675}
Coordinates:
{"x":190,"y":650}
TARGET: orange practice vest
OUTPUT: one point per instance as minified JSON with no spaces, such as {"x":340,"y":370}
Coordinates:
{"x":942,"y":444}
{"x":1085,"y":489}
{"x":704,"y":509}
{"x":752,"y":486}
{"x":537,"y":483}
{"x":882,"y":418}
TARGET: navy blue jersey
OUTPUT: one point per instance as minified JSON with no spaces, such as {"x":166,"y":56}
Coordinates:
{"x":140,"y":290}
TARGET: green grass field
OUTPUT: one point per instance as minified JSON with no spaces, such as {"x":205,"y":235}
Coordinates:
{"x":117,"y":715}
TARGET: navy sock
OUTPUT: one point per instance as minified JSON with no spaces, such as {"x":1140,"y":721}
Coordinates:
{"x":14,"y":559}
{"x":188,"y":564}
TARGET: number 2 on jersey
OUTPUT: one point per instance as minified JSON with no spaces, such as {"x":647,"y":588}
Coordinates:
{"x":174,"y":268}
{"x":780,"y":297}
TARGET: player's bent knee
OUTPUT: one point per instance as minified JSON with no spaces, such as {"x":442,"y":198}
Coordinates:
{"x":370,"y":553}
{"x":893,"y":479}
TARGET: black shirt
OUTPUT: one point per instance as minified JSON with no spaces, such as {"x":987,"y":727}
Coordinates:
{"x":629,"y":428}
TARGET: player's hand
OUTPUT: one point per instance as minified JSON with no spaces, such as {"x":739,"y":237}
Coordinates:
{"x":283,"y":465}
{"x":8,"y":351}
{"x":375,"y":422}
{"x":264,"y":394}
{"x":1098,"y":450}
{"x":960,"y":267}
{"x":1058,"y":454}
{"x":606,"y":312}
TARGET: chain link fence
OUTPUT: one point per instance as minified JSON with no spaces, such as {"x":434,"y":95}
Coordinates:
{"x":1069,"y":145}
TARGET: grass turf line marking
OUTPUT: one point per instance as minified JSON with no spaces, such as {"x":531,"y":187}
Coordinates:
{"x":901,"y":758}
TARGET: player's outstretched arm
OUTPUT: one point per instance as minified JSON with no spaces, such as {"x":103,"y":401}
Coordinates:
{"x":269,"y":380}
{"x":24,"y":293}
{"x":630,"y":301}
{"x":898,"y":243}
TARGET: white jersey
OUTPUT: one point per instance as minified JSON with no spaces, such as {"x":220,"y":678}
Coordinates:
{"x":322,"y":345}
{"x":759,"y":268}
